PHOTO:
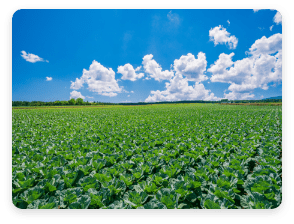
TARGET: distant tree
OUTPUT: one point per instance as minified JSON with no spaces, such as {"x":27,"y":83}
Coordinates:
{"x":79,"y":101}
{"x":64,"y":103}
{"x":72,"y":101}
{"x":57,"y":103}
{"x":224,"y":100}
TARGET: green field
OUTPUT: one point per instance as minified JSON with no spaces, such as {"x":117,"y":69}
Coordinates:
{"x":158,"y":156}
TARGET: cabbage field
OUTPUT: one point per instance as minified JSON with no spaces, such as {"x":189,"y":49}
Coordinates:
{"x":185,"y":156}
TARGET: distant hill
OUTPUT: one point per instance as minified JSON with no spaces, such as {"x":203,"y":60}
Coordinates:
{"x":273,"y":98}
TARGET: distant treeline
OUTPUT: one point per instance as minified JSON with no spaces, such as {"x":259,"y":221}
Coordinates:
{"x":80,"y":101}
{"x":203,"y":101}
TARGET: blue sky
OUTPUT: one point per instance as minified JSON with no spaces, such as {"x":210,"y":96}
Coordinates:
{"x":146,"y":55}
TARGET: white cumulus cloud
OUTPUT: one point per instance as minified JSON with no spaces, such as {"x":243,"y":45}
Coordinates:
{"x":77,"y":84}
{"x":48,"y":78}
{"x":178,"y":89}
{"x":238,"y":96}
{"x":262,"y":66}
{"x":138,"y":68}
{"x":219,"y":67}
{"x":75,"y":94}
{"x":31,"y":57}
{"x":191,"y":67}
{"x":129,"y":73}
{"x":154,"y":69}
{"x":219,"y":35}
{"x":267,"y":45}
{"x":271,"y":27}
{"x":278,"y":18}
{"x":99,"y":79}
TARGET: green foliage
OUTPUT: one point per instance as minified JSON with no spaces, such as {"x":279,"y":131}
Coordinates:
{"x":136,"y":199}
{"x":157,"y":157}
{"x":79,"y":101}
{"x":211,"y":205}
{"x":72,"y":101}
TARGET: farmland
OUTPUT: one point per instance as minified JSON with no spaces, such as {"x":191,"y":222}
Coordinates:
{"x":184,"y":156}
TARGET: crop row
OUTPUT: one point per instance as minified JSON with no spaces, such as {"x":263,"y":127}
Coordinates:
{"x":165,"y":156}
